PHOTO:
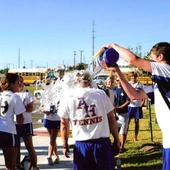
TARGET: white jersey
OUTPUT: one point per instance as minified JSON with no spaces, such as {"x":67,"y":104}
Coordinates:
{"x":55,"y":116}
{"x":48,"y":99}
{"x":10,"y":105}
{"x":87,"y":110}
{"x":26,"y":98}
{"x":52,"y":117}
{"x":161,"y":78}
{"x":136,"y":86}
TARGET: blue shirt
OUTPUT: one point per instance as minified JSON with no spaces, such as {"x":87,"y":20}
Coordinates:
{"x":121,"y":96}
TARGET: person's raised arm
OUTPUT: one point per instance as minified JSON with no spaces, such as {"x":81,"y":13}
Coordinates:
{"x":130,"y":91}
{"x":130,"y":57}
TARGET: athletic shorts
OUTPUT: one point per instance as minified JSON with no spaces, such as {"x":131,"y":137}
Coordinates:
{"x":8,"y":140}
{"x":123,"y":123}
{"x":135,"y":112}
{"x":51,"y":124}
{"x":93,"y":154}
{"x":166,"y":158}
{"x":24,"y":130}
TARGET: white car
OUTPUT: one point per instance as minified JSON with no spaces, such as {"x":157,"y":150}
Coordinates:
{"x":100,"y":80}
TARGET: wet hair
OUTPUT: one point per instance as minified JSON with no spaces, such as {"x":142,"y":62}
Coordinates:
{"x":7,"y":80}
{"x":133,"y":74}
{"x":162,"y":48}
{"x":83,"y":76}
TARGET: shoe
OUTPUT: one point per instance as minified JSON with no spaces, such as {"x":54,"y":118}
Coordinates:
{"x":50,"y":161}
{"x":57,"y":161}
{"x":36,"y":168}
{"x":20,"y":167}
{"x":121,"y":150}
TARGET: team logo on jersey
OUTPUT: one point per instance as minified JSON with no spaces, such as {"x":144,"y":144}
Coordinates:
{"x":89,"y":113}
{"x":3,"y":107}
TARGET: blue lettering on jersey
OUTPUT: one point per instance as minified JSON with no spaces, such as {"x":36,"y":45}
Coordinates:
{"x":90,"y":113}
{"x":89,"y":110}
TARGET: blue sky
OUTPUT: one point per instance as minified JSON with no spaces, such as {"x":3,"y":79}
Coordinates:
{"x":47,"y":32}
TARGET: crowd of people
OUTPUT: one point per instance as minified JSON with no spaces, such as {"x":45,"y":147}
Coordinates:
{"x":125,"y":108}
{"x":92,"y":113}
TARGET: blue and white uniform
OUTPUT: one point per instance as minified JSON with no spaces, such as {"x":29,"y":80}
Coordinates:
{"x":10,"y":105}
{"x":27,"y":127}
{"x":52,"y":121}
{"x":135,"y":108}
{"x":87,"y":110}
{"x":87,"y":115}
{"x":161,"y":79}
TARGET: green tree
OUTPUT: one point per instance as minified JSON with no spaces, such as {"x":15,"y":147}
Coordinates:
{"x":4,"y":71}
{"x":80,"y":66}
{"x":138,"y":52}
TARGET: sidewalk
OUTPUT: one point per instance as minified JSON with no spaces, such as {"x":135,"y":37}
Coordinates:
{"x":41,"y":142}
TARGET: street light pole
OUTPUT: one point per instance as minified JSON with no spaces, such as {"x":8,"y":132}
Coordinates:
{"x":81,"y":51}
{"x":74,"y":58}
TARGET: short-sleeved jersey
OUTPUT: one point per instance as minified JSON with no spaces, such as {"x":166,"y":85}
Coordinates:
{"x":136,"y":86}
{"x":87,"y":109}
{"x":55,"y":116}
{"x":161,"y":79}
{"x":26,"y":98}
{"x":10,"y":105}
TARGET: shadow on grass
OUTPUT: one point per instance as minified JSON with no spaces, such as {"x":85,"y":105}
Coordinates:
{"x":149,"y":157}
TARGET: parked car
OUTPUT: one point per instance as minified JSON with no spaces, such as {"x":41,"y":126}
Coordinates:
{"x":100,"y":79}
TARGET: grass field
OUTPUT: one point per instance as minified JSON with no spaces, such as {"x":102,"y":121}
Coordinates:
{"x":145,"y":154}
{"x":32,"y":88}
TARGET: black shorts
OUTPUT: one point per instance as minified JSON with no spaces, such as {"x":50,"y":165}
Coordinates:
{"x":24,"y":130}
{"x":51,"y":124}
{"x":8,"y":140}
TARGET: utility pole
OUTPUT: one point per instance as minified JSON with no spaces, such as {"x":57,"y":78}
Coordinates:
{"x":24,"y":65}
{"x":81,"y":51}
{"x":74,"y":58}
{"x":31,"y":63}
